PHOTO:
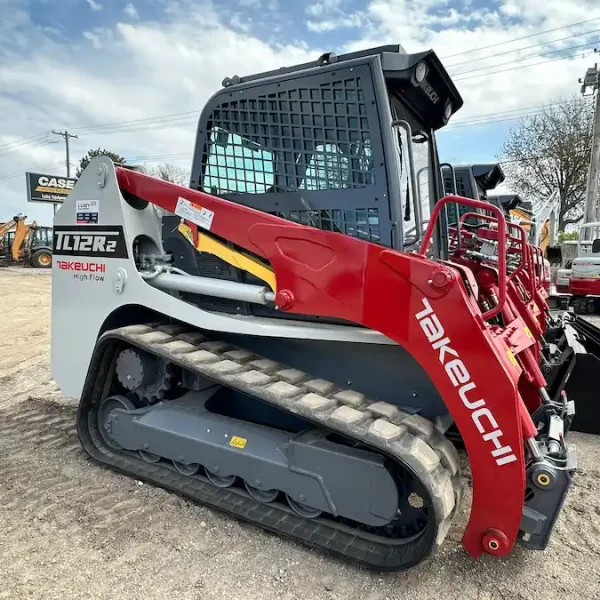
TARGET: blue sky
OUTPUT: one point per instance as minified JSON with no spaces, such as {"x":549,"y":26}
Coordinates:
{"x":85,"y":64}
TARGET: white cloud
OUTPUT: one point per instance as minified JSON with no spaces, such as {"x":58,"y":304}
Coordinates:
{"x":267,"y":5}
{"x":94,"y":38}
{"x":131,"y":11}
{"x":94,"y":5}
{"x":240,"y":25}
{"x":334,"y":23}
{"x":147,"y":69}
{"x":420,"y":24}
{"x":329,"y":15}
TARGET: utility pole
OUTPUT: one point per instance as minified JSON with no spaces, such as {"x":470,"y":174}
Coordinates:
{"x":592,"y":204}
{"x":65,"y":135}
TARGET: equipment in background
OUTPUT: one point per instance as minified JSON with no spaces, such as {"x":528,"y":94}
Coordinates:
{"x":26,"y":243}
{"x":9,"y":225}
{"x":584,"y":282}
{"x":292,"y":340}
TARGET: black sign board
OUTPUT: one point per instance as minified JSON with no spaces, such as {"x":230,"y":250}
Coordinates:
{"x":48,"y":188}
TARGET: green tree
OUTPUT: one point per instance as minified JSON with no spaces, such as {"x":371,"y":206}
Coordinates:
{"x":550,"y":150}
{"x":564,"y":236}
{"x":85,"y":161}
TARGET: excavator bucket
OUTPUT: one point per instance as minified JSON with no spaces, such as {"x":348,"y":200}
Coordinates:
{"x":584,"y":340}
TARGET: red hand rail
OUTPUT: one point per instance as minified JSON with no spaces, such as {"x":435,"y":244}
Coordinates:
{"x":501,"y":247}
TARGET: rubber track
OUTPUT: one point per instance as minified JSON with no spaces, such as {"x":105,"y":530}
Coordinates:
{"x":410,"y":440}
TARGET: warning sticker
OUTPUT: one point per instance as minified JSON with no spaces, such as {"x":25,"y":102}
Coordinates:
{"x":87,"y":211}
{"x":238,"y":442}
{"x":194,"y":213}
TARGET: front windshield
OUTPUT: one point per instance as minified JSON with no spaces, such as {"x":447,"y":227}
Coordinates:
{"x":589,"y":234}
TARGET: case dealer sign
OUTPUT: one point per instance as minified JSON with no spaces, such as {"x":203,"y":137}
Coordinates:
{"x":48,"y":188}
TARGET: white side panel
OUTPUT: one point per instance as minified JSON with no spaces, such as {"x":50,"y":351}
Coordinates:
{"x":82,"y":300}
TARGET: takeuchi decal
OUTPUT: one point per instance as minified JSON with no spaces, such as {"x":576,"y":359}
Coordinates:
{"x":467,"y":389}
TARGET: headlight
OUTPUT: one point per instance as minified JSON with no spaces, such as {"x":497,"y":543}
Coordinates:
{"x":421,"y":72}
{"x":448,"y":111}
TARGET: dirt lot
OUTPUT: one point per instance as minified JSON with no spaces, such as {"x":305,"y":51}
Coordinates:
{"x":71,"y":529}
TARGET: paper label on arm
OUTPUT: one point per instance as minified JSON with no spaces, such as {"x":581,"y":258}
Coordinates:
{"x":194,"y":213}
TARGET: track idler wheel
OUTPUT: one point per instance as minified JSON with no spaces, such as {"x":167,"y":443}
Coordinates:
{"x":104,"y":417}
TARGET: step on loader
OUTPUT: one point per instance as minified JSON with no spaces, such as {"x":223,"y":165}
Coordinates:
{"x":289,"y":339}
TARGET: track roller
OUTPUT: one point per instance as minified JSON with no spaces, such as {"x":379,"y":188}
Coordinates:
{"x":220,"y":480}
{"x":184,"y":469}
{"x":303,"y":510}
{"x":265,"y":496}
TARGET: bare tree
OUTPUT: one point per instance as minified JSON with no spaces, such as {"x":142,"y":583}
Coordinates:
{"x":550,"y":150}
{"x":171,"y":173}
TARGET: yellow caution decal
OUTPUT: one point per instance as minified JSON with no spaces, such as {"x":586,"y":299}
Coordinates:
{"x":512,"y":357}
{"x":209,"y":244}
{"x":238,"y":442}
{"x":528,"y":332}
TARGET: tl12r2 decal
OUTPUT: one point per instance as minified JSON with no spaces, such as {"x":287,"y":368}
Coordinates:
{"x":95,"y":241}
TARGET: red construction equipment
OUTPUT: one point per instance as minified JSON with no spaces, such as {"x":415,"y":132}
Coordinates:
{"x":290,"y":339}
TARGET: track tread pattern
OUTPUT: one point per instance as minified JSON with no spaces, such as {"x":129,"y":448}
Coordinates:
{"x":409,"y":439}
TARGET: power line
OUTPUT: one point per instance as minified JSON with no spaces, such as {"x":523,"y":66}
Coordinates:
{"x":501,"y":117}
{"x":511,"y":62}
{"x":147,"y":127}
{"x":548,"y":43}
{"x":518,"y":67}
{"x":525,"y":37}
{"x":504,"y":112}
{"x":33,"y":142}
{"x":20,"y":173}
{"x":158,"y":118}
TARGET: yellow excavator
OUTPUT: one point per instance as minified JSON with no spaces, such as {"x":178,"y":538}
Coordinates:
{"x":6,"y":227}
{"x":25,"y":243}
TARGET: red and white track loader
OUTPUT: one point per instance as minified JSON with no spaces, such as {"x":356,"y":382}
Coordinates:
{"x":290,"y":338}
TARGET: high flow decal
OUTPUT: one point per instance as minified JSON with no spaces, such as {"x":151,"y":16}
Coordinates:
{"x":83,"y":271}
{"x":457,"y":372}
{"x":95,"y":241}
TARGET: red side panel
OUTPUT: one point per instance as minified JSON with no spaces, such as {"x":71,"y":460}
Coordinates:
{"x":418,"y":303}
{"x":584,"y":287}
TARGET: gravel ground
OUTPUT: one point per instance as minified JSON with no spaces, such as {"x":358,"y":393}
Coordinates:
{"x":72,"y":529}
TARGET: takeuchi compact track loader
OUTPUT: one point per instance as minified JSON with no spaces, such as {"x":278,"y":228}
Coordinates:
{"x":290,"y":338}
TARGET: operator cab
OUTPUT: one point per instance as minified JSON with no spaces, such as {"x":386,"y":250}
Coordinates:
{"x":470,"y":181}
{"x":587,"y":263}
{"x":344,"y":143}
